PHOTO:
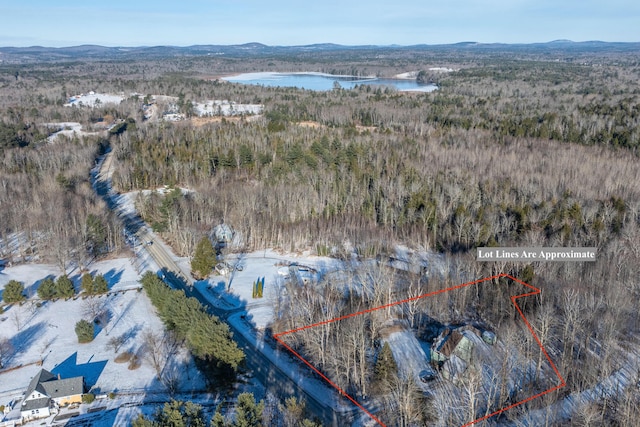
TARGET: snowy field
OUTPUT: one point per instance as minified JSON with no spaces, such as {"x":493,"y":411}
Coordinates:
{"x":411,"y":75}
{"x":46,"y":333}
{"x":225,"y":108}
{"x":92,"y":99}
{"x":235,"y":289}
{"x":68,"y":129}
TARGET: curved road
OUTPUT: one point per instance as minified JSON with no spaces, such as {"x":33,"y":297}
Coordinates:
{"x":267,"y":372}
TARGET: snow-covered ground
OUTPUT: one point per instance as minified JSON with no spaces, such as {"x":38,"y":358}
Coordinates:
{"x":235,"y":289}
{"x":18,"y":247}
{"x":45,"y":332}
{"x":68,"y":129}
{"x":92,"y":99}
{"x":126,"y":202}
{"x":409,"y":354}
{"x":225,"y":108}
{"x":411,"y":75}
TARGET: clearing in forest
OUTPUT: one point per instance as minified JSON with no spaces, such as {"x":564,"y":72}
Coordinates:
{"x":522,"y":382}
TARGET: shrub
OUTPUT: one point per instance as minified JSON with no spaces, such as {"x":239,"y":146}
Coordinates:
{"x":84,"y":330}
{"x":134,"y":363}
{"x":88,"y":398}
{"x":123,"y":357}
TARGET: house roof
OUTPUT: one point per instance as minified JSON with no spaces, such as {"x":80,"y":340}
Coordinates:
{"x":448,"y":340}
{"x":30,"y":405}
{"x":48,"y":384}
{"x":450,"y":343}
{"x":41,"y":377}
{"x":65,"y":387}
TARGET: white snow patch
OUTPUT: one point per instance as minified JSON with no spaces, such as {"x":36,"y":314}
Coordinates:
{"x":442,"y":69}
{"x":409,"y":75}
{"x":426,"y":88}
{"x":94,"y":99}
{"x":68,"y":129}
{"x":225,"y":108}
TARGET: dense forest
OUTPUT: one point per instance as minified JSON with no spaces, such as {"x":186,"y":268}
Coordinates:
{"x":507,"y":152}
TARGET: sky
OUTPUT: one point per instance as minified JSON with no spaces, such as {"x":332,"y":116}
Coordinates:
{"x":57,"y":23}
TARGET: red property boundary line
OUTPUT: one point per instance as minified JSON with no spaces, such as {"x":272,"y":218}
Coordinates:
{"x":535,"y":291}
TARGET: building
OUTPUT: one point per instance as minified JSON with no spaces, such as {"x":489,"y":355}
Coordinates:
{"x":454,"y":350}
{"x":47,"y":392}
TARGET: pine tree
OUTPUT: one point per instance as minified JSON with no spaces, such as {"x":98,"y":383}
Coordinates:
{"x":293,"y":410}
{"x":100,"y":285}
{"x":386,"y":367}
{"x":87,"y":283}
{"x":64,"y":287}
{"x":218,"y":420}
{"x":180,"y":414}
{"x":248,"y":412}
{"x":47,"y":289}
{"x":203,"y":260}
{"x":206,"y":336}
{"x":13,"y":292}
{"x":141,"y":421}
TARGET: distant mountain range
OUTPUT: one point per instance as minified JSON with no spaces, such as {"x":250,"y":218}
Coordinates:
{"x":39,"y":53}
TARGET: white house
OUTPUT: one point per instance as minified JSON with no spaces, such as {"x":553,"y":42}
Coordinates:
{"x":47,"y":391}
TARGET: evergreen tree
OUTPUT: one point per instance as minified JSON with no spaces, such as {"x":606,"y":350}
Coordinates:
{"x":64,"y":287}
{"x":87,"y":283}
{"x":141,"y":421}
{"x":193,"y":415}
{"x":100,"y":285}
{"x":47,"y":289}
{"x":386,"y":367}
{"x":96,"y":235}
{"x":293,"y":411}
{"x":248,"y":412}
{"x":179,"y":414}
{"x":84,"y":331}
{"x":204,"y":340}
{"x":204,"y":259}
{"x":206,"y":337}
{"x":13,"y":292}
{"x":218,"y":420}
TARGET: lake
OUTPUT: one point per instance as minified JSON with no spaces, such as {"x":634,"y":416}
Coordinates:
{"x":320,"y":81}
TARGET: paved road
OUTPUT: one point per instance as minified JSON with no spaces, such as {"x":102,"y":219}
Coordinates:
{"x":268,"y":373}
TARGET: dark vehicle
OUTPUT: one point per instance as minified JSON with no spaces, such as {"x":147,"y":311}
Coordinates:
{"x":428,"y":375}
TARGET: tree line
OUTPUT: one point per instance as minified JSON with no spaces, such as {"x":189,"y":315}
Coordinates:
{"x":205,"y":335}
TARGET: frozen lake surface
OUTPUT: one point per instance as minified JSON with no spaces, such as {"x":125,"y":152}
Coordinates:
{"x":321,"y":81}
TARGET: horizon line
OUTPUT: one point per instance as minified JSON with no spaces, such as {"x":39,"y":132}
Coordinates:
{"x":392,"y":45}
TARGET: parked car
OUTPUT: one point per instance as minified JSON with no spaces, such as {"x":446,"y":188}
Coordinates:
{"x":428,"y":375}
